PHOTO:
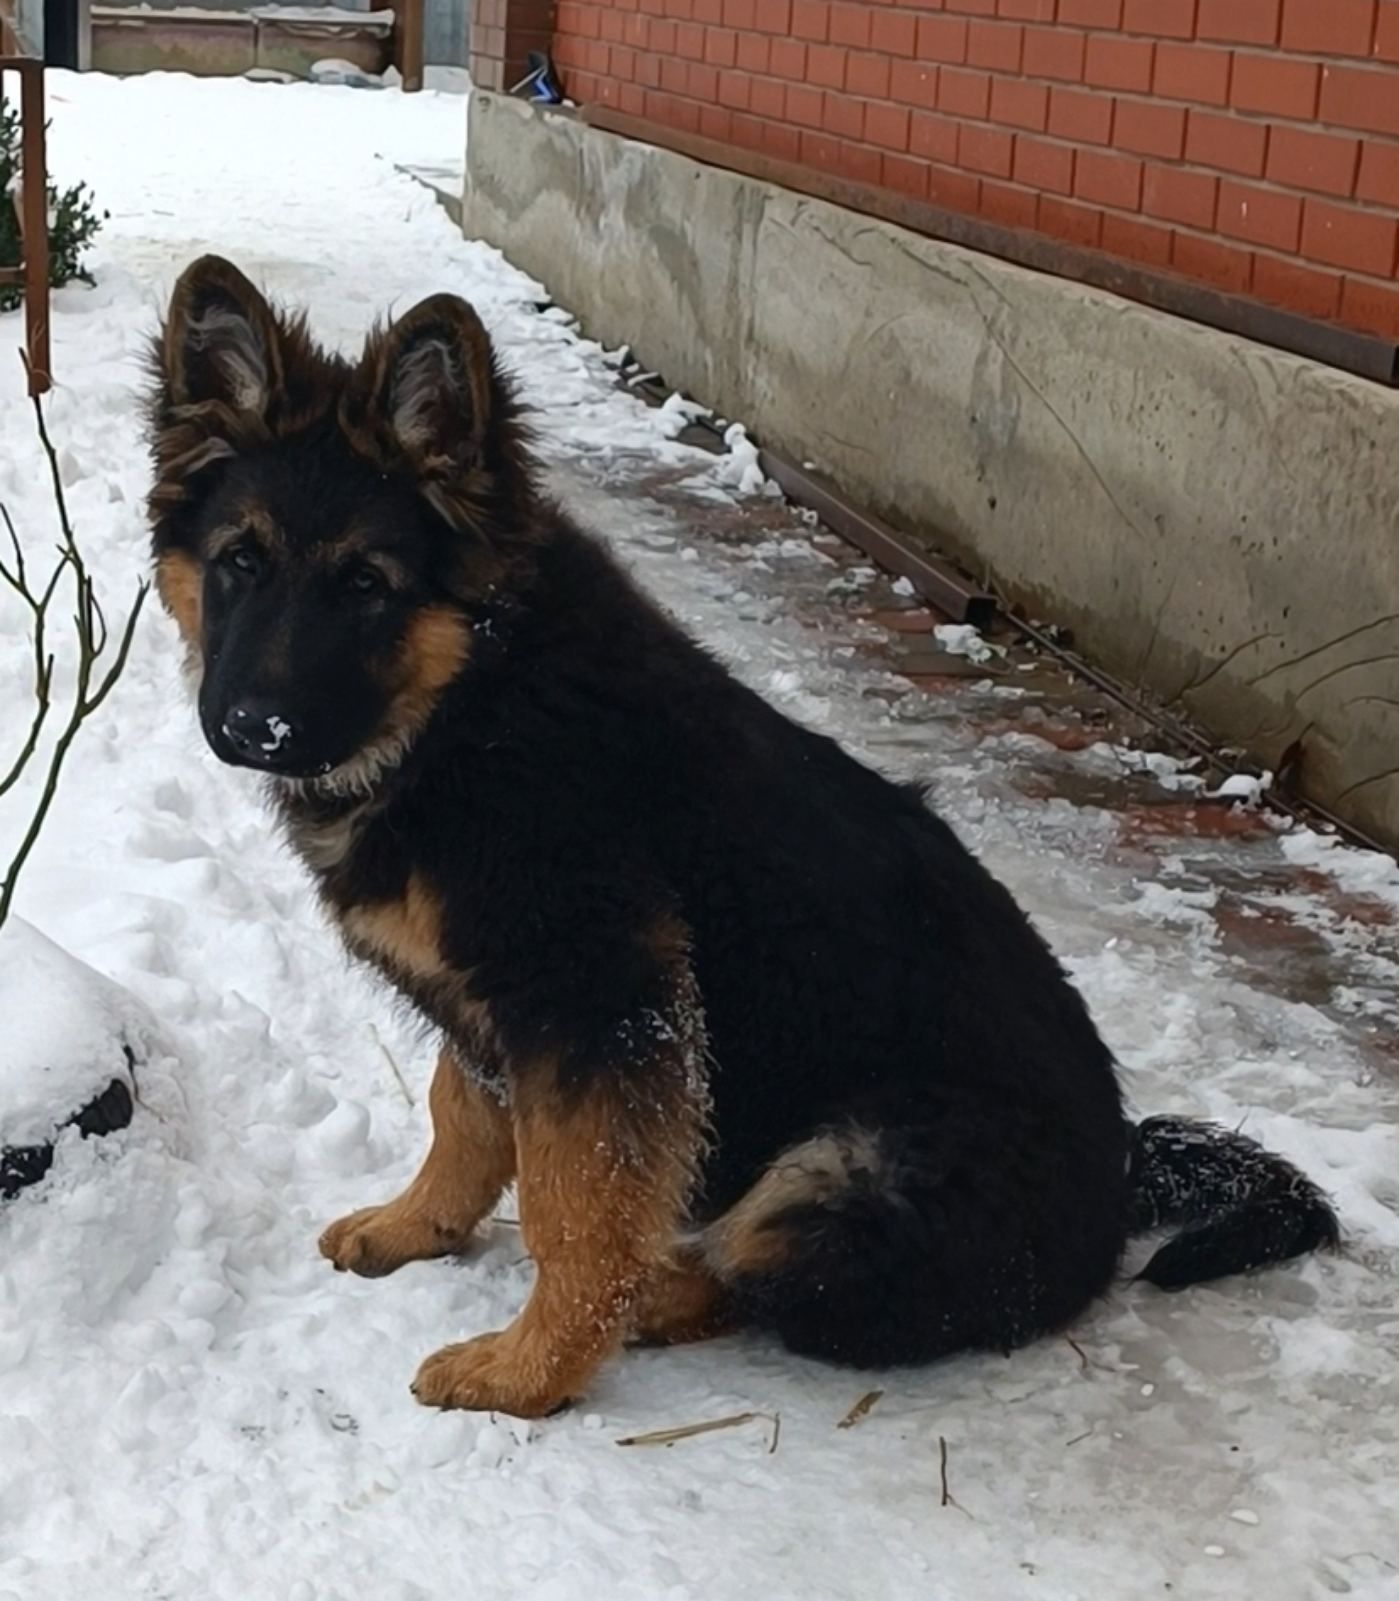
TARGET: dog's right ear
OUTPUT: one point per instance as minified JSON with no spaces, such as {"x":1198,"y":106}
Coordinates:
{"x":219,"y":368}
{"x":221,"y":343}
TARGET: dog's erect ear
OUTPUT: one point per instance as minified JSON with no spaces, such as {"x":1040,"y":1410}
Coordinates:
{"x":220,"y":341}
{"x":427,"y":390}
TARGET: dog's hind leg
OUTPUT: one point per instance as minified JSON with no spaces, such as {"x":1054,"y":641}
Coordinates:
{"x":470,"y":1161}
{"x":683,"y":1302}
{"x":875,"y":1244}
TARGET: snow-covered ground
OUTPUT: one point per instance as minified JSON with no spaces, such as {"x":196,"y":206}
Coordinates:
{"x":192,"y":1405}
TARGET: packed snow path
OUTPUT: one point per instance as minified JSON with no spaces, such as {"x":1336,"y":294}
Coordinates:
{"x":193,"y":1405}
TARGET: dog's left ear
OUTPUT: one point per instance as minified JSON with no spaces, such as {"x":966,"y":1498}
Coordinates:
{"x":427,"y":394}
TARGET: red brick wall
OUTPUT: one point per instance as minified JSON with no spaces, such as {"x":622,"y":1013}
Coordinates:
{"x":1252,"y":145}
{"x":503,"y":32}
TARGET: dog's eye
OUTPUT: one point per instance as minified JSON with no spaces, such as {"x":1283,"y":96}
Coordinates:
{"x":365,"y":580}
{"x":244,"y":559}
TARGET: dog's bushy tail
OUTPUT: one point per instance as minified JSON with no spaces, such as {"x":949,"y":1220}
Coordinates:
{"x":1237,"y":1206}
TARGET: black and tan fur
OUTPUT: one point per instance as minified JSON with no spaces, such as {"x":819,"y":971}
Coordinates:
{"x":757,"y":1040}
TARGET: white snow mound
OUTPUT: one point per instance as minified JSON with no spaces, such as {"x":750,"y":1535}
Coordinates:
{"x":64,"y":1031}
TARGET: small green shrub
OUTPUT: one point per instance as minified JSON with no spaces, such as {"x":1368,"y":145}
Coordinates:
{"x":73,"y":218}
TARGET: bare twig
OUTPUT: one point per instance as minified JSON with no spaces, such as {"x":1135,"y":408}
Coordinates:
{"x":942,"y":1470}
{"x":687,"y":1431}
{"x":860,"y":1410}
{"x":1082,"y":1354}
{"x":393,"y":1066}
{"x":90,"y":627}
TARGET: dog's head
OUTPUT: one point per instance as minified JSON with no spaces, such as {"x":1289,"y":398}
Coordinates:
{"x":325,"y":533}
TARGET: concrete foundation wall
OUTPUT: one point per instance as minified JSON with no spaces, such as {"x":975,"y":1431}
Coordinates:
{"x":1217,"y":521}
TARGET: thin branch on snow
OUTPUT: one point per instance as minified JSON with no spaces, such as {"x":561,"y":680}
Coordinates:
{"x":687,"y":1431}
{"x":92,"y":685}
{"x":393,"y":1066}
{"x":947,"y":1498}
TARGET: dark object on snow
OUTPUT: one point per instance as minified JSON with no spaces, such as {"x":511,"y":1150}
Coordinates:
{"x":1237,"y":1206}
{"x":540,"y":83}
{"x":22,"y":1165}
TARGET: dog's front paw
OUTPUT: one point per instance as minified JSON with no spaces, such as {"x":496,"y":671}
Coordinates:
{"x":380,"y":1239}
{"x":489,"y":1374}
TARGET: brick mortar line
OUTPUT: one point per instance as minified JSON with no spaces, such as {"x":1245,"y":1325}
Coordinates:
{"x":1236,"y":243}
{"x":1145,"y":97}
{"x":1174,"y":163}
{"x":1074,"y":30}
{"x":1269,"y":121}
{"x":1366,"y":64}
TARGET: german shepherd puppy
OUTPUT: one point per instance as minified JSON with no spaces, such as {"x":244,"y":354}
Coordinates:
{"x":758,"y":1040}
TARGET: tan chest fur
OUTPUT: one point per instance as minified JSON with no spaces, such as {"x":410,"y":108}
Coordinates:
{"x":403,"y":936}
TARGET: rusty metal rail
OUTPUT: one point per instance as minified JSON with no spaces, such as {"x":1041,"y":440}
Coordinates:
{"x":31,"y":208}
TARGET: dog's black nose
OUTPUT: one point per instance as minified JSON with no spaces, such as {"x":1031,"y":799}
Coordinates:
{"x":260,"y":735}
